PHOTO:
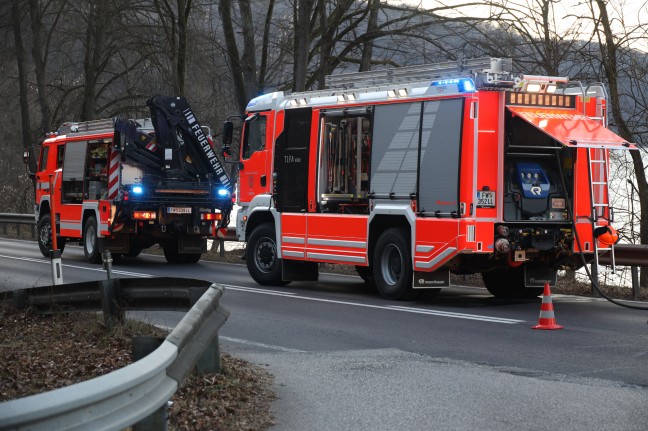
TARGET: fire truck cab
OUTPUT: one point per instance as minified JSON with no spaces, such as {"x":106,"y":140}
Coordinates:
{"x":412,"y":173}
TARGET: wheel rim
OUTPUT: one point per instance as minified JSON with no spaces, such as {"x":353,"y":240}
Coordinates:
{"x":265,"y":256}
{"x":89,"y":240}
{"x":391,"y":264}
{"x":45,"y":235}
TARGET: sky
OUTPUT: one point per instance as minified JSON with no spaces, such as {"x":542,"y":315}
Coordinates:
{"x":626,"y":14}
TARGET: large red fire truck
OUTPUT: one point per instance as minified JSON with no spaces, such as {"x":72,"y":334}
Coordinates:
{"x":124,"y":185}
{"x":416,"y":172}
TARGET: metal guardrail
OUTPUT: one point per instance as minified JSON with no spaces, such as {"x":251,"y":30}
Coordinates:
{"x":123,"y":397}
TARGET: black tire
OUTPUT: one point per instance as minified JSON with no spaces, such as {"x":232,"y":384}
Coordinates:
{"x":261,"y":256}
{"x":91,"y":241}
{"x":171,"y":253}
{"x":366,"y":273}
{"x":44,"y":235}
{"x":508,"y":283}
{"x":191,"y":257}
{"x":134,"y":251}
{"x":392,"y":265}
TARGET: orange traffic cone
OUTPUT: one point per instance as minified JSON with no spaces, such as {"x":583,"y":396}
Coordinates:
{"x":547,"y":319}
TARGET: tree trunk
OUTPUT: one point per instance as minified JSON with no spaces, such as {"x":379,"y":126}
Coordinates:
{"x":609,"y":58}
{"x":248,"y":61}
{"x":184,"y":9}
{"x":98,"y":23}
{"x":225,"y":12}
{"x":25,"y":120}
{"x":372,"y":24}
{"x":263,"y":70}
{"x":302,"y":14}
{"x":40,"y":65}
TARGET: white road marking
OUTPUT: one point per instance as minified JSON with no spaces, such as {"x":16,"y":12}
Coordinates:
{"x":114,"y":271}
{"x":431,"y":312}
{"x":257,"y":290}
{"x":456,"y":315}
{"x":263,"y":345}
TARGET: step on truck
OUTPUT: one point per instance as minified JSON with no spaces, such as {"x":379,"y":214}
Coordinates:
{"x":413,"y":173}
{"x":124,"y":185}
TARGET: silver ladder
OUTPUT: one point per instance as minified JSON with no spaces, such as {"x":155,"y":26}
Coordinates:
{"x":599,"y":174}
{"x":496,"y":69}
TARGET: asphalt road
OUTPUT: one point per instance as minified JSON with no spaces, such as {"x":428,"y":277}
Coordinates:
{"x":344,"y":358}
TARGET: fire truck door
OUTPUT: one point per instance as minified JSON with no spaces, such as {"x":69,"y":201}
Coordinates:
{"x":254,"y":178}
{"x":291,"y":162}
{"x":42,"y":178}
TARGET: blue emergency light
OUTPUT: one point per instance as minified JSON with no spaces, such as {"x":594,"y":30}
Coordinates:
{"x":464,"y":85}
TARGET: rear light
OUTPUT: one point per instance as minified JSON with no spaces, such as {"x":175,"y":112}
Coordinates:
{"x":144,"y":215}
{"x":211,"y":216}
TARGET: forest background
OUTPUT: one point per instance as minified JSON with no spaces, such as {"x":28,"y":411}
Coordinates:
{"x":76,"y":60}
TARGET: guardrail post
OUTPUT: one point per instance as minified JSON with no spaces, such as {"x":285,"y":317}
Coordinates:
{"x":595,"y":279}
{"x":110,"y":302}
{"x":19,"y":299}
{"x":157,"y":421}
{"x":106,"y":260}
{"x":635,"y":282}
{"x":209,"y":361}
{"x":57,"y":266}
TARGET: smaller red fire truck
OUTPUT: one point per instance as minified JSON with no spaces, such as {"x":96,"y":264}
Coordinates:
{"x":124,"y":185}
{"x":416,"y":172}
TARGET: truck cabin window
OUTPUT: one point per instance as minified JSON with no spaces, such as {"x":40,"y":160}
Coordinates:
{"x":42,"y":164}
{"x":254,"y":136}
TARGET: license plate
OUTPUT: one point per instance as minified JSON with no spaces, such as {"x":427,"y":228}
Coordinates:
{"x":485,"y":199}
{"x":179,"y":210}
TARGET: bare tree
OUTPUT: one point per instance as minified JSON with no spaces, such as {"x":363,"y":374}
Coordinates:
{"x":40,"y":50}
{"x":174,"y":19}
{"x":25,"y":119}
{"x":611,"y":48}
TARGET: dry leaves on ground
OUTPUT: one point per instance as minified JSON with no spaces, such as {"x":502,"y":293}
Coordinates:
{"x":43,"y":352}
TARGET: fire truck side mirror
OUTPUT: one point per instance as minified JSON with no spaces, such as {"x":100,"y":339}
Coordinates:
{"x":228,"y":131}
{"x":26,"y":161}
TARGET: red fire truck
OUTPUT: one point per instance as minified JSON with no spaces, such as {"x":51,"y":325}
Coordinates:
{"x":124,"y":185}
{"x":414,"y":173}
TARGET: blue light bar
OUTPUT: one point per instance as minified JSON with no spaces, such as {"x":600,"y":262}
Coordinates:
{"x":223,"y":193}
{"x":137,"y":189}
{"x":464,"y":85}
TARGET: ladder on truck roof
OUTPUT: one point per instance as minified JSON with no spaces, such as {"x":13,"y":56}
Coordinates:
{"x":103,"y":125}
{"x":495,"y":68}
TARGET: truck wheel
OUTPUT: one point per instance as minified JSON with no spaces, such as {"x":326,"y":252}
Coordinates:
{"x":393,"y":265}
{"x":191,"y":257}
{"x":44,"y":231}
{"x":261,"y":256}
{"x":366,"y":273}
{"x":508,"y":283}
{"x":171,"y":253}
{"x":134,"y":251}
{"x":90,"y":241}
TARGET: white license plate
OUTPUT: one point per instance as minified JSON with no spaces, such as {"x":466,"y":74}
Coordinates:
{"x":179,"y":210}
{"x":485,"y":199}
